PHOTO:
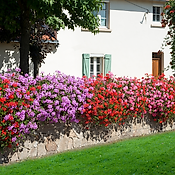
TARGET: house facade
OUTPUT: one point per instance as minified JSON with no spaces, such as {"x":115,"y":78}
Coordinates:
{"x":130,"y":36}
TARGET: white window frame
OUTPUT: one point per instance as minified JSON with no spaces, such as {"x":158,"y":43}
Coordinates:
{"x":107,"y":17}
{"x":157,"y":23}
{"x":107,"y":27}
{"x":95,"y":56}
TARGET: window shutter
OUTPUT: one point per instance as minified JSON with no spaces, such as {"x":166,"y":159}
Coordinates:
{"x":85,"y":64}
{"x":107,"y":63}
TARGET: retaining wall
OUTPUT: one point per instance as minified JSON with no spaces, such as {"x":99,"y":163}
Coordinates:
{"x":54,"y":138}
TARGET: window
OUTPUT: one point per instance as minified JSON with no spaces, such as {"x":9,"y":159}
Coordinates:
{"x":157,"y":63}
{"x":156,"y":17}
{"x":94,"y":64}
{"x":103,"y":15}
{"x":157,"y":10}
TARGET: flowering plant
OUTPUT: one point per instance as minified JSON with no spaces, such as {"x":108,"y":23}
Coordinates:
{"x":25,"y":102}
{"x":59,"y":98}
{"x":169,"y":20}
{"x":15,"y":112}
{"x":118,"y":99}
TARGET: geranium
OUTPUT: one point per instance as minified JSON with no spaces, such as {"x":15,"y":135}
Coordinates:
{"x":25,"y":102}
{"x":59,"y":98}
{"x":115,"y":100}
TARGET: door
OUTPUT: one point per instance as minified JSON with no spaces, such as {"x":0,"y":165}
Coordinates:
{"x":156,"y":67}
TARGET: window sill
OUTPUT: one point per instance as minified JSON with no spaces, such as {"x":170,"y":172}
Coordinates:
{"x":156,"y":25}
{"x":100,"y":30}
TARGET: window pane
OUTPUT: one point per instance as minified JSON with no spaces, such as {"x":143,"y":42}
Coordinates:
{"x":95,"y":13}
{"x":103,"y":13}
{"x":103,"y":22}
{"x":92,"y":60}
{"x":104,"y":6}
{"x":98,"y":68}
{"x":154,"y":18}
{"x":98,"y":60}
{"x":92,"y":68}
{"x":91,"y":75}
{"x":154,"y":10}
{"x":158,"y":17}
{"x":158,"y":10}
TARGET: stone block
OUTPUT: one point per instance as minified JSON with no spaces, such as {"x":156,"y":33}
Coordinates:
{"x":63,"y":144}
{"x":23,"y":153}
{"x":14,"y":157}
{"x":33,"y":152}
{"x":51,"y":146}
{"x":41,"y":149}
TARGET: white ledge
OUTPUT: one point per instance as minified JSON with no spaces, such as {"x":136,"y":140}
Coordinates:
{"x":100,"y":30}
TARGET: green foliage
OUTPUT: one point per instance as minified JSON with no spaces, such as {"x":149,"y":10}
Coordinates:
{"x":18,"y":17}
{"x":53,"y":12}
{"x":169,"y":20}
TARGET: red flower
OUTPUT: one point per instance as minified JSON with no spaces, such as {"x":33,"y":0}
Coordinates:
{"x":16,"y":125}
{"x":6,"y":86}
{"x":3,"y":132}
{"x":3,"y":99}
{"x":39,"y":87}
{"x":11,"y":96}
{"x":4,"y":109}
{"x":32,"y":89}
{"x":167,"y":7}
{"x":14,"y":85}
{"x":30,"y":99}
{"x":6,"y":81}
{"x":11,"y":118}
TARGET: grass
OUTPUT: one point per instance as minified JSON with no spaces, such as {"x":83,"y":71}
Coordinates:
{"x":152,"y":155}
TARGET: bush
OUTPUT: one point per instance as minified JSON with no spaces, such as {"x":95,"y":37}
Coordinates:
{"x":25,"y":102}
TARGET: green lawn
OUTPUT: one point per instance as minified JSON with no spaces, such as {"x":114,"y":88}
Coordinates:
{"x":144,"y":155}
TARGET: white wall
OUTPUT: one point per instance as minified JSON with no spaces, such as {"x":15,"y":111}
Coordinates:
{"x":10,"y":57}
{"x":130,"y":43}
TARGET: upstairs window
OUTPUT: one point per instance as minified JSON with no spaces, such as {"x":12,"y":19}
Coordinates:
{"x":157,"y":10}
{"x":103,"y":15}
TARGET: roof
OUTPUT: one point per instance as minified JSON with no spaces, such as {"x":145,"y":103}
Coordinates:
{"x":50,"y":38}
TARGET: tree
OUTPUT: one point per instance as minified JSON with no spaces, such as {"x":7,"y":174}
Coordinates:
{"x":18,"y":16}
{"x":169,"y":20}
{"x":40,"y":33}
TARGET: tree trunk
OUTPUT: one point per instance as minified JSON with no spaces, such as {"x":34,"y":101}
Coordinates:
{"x":24,"y":41}
{"x":36,"y":68}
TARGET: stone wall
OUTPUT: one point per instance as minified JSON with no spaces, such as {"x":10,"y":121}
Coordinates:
{"x":54,"y":138}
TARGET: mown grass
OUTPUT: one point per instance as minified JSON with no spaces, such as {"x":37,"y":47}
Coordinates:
{"x":152,"y":155}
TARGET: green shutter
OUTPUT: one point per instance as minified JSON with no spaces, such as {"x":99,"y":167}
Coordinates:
{"x":85,"y":64}
{"x":107,"y":63}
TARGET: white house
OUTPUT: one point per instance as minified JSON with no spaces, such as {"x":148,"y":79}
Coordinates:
{"x":127,"y":44}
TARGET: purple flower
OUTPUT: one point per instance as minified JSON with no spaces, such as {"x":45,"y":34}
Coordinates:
{"x":7,"y":117}
{"x":13,"y":139}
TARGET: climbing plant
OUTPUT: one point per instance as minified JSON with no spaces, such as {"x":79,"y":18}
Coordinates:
{"x":169,"y":20}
